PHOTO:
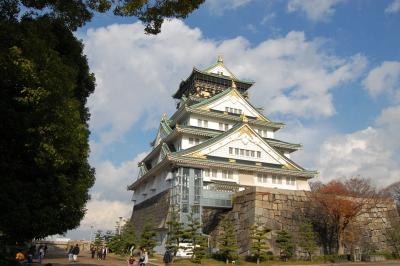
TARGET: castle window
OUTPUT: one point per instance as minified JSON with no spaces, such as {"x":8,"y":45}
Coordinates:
{"x":205,"y":123}
{"x":185,"y":208}
{"x":206,"y":172}
{"x":236,"y":151}
{"x":190,"y":140}
{"x":290,"y":180}
{"x":262,"y":178}
{"x":214,"y":172}
{"x":241,"y":152}
{"x":247,"y":153}
{"x":230,"y":150}
{"x":199,"y":123}
{"x":221,"y":126}
{"x":252,"y":153}
{"x":258,"y":154}
{"x":226,"y":127}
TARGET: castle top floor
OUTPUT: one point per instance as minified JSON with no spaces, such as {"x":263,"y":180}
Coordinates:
{"x":211,"y":81}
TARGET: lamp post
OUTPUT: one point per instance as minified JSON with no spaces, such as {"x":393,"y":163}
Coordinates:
{"x":91,"y":233}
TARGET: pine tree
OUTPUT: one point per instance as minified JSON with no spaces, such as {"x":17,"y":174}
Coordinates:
{"x":227,"y":241}
{"x":285,"y":244}
{"x":147,"y":240}
{"x":175,"y":231}
{"x":98,"y":239}
{"x":307,"y":239}
{"x":128,"y":235}
{"x":259,"y":245}
{"x":198,"y":241}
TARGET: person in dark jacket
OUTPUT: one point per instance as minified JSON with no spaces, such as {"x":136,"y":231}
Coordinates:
{"x":167,"y":257}
{"x":75,"y":252}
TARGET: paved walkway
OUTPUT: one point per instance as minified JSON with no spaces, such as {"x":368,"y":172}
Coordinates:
{"x":61,"y":259}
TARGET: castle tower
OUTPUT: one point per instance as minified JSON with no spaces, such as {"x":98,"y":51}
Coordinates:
{"x":214,"y":145}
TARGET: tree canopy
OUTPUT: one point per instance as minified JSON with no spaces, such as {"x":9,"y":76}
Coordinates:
{"x":45,"y":82}
{"x":75,"y":14}
{"x":336,"y":205}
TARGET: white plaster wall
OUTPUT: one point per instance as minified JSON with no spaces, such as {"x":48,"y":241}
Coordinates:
{"x":233,"y":101}
{"x":212,"y":124}
{"x":220,"y":69}
{"x":223,"y":151}
{"x":185,"y":141}
{"x":152,"y":187}
{"x":265,"y":132}
{"x":269,"y":183}
{"x":302,"y":184}
{"x":235,"y":176}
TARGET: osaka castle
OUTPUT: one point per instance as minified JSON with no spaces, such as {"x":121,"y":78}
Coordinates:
{"x":216,"y":144}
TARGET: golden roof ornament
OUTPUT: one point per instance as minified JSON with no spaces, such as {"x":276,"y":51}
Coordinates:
{"x":234,"y":84}
{"x":244,"y":118}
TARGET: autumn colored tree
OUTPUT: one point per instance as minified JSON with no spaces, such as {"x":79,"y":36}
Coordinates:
{"x":337,"y":204}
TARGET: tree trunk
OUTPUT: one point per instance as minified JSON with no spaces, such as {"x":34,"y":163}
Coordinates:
{"x":340,"y":243}
{"x":258,"y":260}
{"x":226,"y":261}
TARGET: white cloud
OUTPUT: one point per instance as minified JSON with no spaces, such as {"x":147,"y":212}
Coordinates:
{"x":102,"y":214}
{"x":373,"y":152}
{"x":394,"y":7}
{"x":137,"y":74}
{"x":268,"y":18}
{"x":384,"y":79}
{"x":218,"y":7}
{"x":315,"y":10}
{"x":110,"y":197}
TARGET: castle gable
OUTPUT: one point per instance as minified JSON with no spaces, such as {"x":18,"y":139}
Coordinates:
{"x":241,"y":143}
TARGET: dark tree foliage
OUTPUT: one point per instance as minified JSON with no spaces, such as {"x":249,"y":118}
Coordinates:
{"x":147,"y":238}
{"x":285,"y":243}
{"x":75,"y":14}
{"x":175,"y":231}
{"x":196,"y":238}
{"x":227,"y":241}
{"x":259,"y":243}
{"x":44,"y":169}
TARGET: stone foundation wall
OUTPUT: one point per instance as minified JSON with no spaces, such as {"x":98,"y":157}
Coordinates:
{"x":284,"y":209}
{"x":154,"y":210}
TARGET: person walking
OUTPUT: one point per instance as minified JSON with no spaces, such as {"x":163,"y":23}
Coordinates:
{"x":92,"y":251}
{"x":167,"y":257}
{"x":99,"y":254}
{"x":70,"y":254}
{"x":75,"y":252}
{"x":104,"y":252}
{"x":131,"y":261}
{"x":41,"y":254}
{"x":144,"y":257}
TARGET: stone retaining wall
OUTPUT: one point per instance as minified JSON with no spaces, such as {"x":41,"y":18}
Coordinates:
{"x":284,"y":209}
{"x":154,"y":210}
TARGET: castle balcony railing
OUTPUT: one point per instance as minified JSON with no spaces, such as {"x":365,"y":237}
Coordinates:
{"x":216,"y":199}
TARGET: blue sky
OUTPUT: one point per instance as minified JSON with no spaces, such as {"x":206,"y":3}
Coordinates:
{"x":329,"y":69}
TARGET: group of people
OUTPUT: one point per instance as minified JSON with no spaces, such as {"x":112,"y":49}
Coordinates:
{"x":73,"y":253}
{"x":142,"y":261}
{"x":32,"y":253}
{"x":101,"y":252}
